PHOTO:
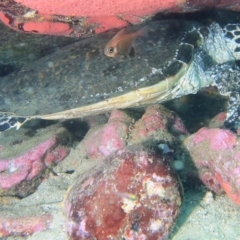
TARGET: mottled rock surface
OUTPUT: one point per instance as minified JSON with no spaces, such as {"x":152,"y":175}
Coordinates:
{"x":134,"y":195}
{"x":25,"y":161}
{"x":215,"y":153}
{"x":78,"y":18}
{"x":156,"y":125}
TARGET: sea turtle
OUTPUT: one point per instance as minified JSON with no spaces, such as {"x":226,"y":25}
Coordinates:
{"x":176,"y":58}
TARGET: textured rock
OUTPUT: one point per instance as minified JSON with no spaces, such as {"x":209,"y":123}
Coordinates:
{"x":37,"y":216}
{"x":24,"y":226}
{"x":216,"y":153}
{"x":24,"y":162}
{"x":104,"y":139}
{"x":78,"y":18}
{"x":218,"y":120}
{"x":135,"y":195}
{"x":155,"y":126}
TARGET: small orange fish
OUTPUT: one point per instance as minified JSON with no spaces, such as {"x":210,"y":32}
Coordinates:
{"x":121,"y":43}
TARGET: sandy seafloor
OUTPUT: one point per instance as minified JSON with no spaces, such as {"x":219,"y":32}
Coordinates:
{"x":202,"y":216}
{"x":215,"y":219}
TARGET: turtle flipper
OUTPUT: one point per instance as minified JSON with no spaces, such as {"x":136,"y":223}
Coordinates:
{"x":8,"y":122}
{"x":232,"y":37}
{"x":233,"y":113}
{"x":226,"y":78}
{"x":230,"y":86}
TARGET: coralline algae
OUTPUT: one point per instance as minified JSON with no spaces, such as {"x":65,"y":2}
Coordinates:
{"x":216,"y":155}
{"x":24,"y":226}
{"x":24,"y":164}
{"x":156,"y":125}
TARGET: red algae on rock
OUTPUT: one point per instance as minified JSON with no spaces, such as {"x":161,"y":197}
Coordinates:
{"x":24,"y":163}
{"x":134,"y":195}
{"x":105,"y":139}
{"x":218,"y":120}
{"x":24,"y":226}
{"x":79,"y":18}
{"x":156,"y":124}
{"x":218,"y":139}
{"x":216,"y":155}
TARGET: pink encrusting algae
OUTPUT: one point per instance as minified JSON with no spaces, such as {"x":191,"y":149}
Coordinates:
{"x":24,"y":226}
{"x":215,"y":153}
{"x":29,"y":165}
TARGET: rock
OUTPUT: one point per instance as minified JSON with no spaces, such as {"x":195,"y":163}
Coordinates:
{"x":217,"y":138}
{"x":25,"y":161}
{"x":156,"y":125}
{"x":134,"y":195}
{"x":37,"y":216}
{"x":78,"y":18}
{"x":218,"y":120}
{"x":231,"y":5}
{"x":216,"y":153}
{"x":104,"y":139}
{"x":24,"y":226}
